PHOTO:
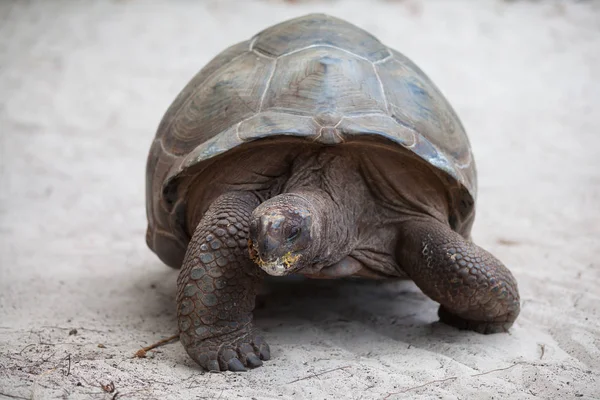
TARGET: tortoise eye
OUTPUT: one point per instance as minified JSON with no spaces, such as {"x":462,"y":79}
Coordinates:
{"x":294,"y":232}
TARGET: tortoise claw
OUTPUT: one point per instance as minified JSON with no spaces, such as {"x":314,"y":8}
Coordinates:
{"x":236,"y":365}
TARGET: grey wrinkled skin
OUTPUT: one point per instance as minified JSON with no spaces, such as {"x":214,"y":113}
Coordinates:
{"x":314,"y":149}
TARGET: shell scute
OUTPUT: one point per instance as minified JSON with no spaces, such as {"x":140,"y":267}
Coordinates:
{"x":318,"y":30}
{"x":231,"y":94}
{"x":314,"y":81}
{"x":197,"y":81}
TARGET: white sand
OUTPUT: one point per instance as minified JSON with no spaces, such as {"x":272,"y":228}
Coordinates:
{"x":82,"y":90}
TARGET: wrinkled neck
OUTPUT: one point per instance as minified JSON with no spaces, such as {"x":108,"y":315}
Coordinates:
{"x":330,"y":229}
{"x":330,"y":183}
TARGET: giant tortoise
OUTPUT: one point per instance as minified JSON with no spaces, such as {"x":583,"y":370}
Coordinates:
{"x":314,"y":149}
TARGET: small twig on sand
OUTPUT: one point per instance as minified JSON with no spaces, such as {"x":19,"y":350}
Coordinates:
{"x":13,"y":396}
{"x":499,"y":369}
{"x":451,"y":379}
{"x":68,"y":357}
{"x":319,"y":374}
{"x":543,"y":350}
{"x":26,"y":347}
{"x":141,"y":353}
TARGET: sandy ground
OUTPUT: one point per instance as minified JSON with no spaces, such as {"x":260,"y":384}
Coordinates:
{"x":82,"y":89}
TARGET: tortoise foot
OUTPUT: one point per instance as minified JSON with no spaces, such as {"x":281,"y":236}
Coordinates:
{"x":236,"y":351}
{"x":484,"y":327}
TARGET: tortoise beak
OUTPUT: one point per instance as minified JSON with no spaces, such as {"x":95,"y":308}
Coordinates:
{"x":274,"y":269}
{"x":278,"y":267}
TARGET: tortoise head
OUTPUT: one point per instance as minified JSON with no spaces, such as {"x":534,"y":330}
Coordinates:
{"x":281,"y":234}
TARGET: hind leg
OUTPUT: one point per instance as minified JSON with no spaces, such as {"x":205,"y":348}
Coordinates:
{"x":474,"y":289}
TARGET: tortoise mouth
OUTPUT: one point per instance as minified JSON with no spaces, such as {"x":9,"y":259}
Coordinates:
{"x":279,"y":267}
{"x":274,"y":268}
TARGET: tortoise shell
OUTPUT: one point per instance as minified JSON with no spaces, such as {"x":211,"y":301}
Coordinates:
{"x":316,"y":78}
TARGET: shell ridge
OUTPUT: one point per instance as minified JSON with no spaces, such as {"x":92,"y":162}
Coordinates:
{"x":367,"y":114}
{"x":336,"y":131}
{"x":267,"y":86}
{"x":317,"y":45}
{"x":317,"y":122}
{"x":263,"y":55}
{"x":252,"y":42}
{"x":385,"y":100}
{"x":237,"y":129}
{"x":163,"y":148}
{"x":390,"y":55}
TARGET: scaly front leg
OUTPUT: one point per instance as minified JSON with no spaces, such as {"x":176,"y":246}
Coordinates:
{"x":474,"y":289}
{"x":217,"y":288}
